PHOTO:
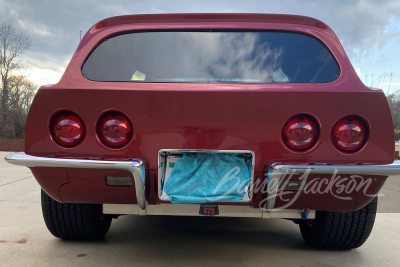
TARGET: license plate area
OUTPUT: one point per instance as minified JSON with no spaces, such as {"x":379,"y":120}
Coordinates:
{"x":167,"y":159}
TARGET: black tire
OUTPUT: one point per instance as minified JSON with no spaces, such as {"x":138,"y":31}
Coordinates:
{"x":74,"y":221}
{"x":337,"y":230}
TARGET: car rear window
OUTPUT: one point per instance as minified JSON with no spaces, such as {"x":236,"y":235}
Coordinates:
{"x":211,"y":57}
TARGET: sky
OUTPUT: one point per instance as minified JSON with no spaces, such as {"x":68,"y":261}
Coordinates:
{"x":368,"y":29}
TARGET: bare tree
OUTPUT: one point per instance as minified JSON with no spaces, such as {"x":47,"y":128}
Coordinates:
{"x":394,"y":104}
{"x":12,"y":45}
{"x":393,"y":98}
{"x":21,"y":93}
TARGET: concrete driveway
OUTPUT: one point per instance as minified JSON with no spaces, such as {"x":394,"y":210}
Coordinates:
{"x":179,"y":241}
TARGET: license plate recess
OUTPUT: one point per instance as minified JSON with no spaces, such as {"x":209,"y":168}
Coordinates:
{"x":167,"y":159}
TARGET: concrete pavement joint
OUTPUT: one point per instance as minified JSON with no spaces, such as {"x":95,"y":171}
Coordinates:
{"x":17,"y":180}
{"x":5,"y":200}
{"x":391,"y":189}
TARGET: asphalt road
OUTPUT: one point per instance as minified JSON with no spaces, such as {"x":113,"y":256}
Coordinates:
{"x":180,"y":241}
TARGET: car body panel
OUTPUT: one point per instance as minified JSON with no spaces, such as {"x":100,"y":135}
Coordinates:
{"x":206,"y":116}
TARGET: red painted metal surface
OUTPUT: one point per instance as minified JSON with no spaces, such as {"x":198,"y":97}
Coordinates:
{"x":89,"y":186}
{"x":338,"y":193}
{"x":51,"y":179}
{"x":205,"y":116}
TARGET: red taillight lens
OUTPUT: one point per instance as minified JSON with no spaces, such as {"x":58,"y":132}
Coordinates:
{"x":114,"y":129}
{"x":300,"y":133}
{"x":67,"y":129}
{"x":349,"y":134}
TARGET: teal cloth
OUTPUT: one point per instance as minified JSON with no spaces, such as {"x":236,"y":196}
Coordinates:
{"x":207,"y":177}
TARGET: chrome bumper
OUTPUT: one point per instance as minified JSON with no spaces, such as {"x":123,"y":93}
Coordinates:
{"x":133,"y":166}
{"x":277,"y":171}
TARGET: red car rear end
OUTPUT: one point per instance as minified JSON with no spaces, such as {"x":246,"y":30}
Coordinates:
{"x":276,"y":91}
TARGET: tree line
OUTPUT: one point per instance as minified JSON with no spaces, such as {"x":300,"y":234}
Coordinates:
{"x":17,"y":92}
{"x":394,"y":104}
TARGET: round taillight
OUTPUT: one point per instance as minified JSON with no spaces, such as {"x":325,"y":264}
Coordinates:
{"x":349,"y":134}
{"x":67,"y":129}
{"x":300,"y":133}
{"x":114,"y":130}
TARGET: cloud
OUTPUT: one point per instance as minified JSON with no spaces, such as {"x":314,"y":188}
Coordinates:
{"x":54,"y":26}
{"x":358,"y":71}
{"x":359,"y":24}
{"x":42,"y":76}
{"x":34,"y":28}
{"x":388,"y":84}
{"x":4,"y":13}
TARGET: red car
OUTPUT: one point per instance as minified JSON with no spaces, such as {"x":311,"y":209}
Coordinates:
{"x":239,"y":115}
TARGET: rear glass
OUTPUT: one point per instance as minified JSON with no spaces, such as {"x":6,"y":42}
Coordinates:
{"x":211,"y":57}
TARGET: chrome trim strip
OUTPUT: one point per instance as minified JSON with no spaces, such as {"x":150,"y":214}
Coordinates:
{"x":384,"y":170}
{"x":278,"y":170}
{"x":193,"y":210}
{"x":132,"y":166}
{"x":121,"y":209}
